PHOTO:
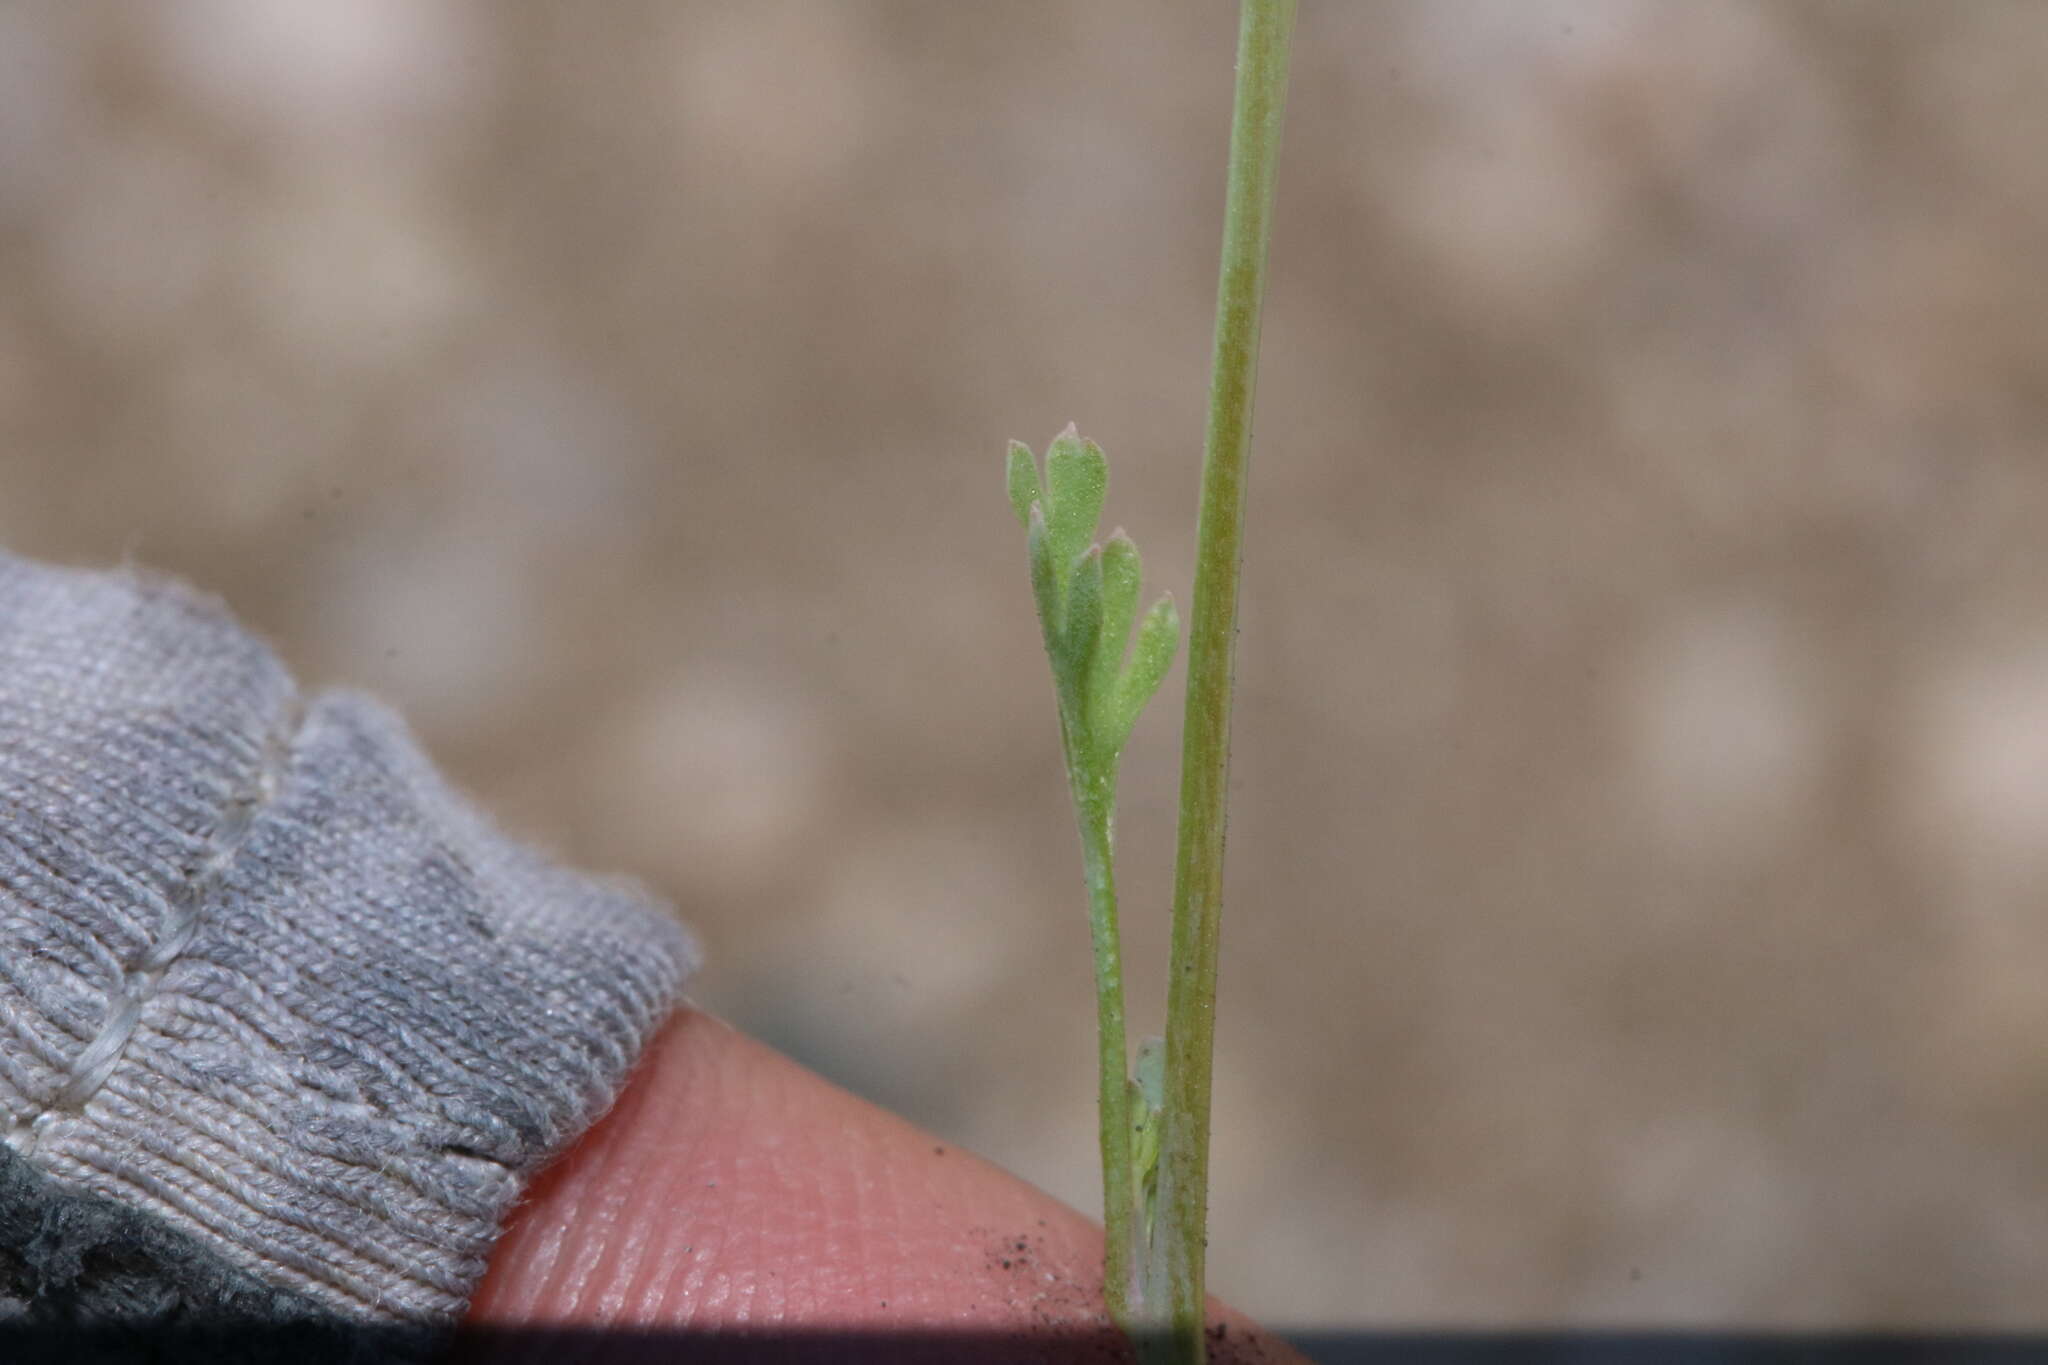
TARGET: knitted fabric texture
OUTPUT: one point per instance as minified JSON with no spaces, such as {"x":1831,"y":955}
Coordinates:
{"x":284,"y":1023}
{"x":86,"y":1281}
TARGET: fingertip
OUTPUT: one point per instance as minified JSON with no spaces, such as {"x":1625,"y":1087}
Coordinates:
{"x":731,"y":1189}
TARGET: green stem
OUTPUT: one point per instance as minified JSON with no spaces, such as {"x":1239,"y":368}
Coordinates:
{"x":1093,"y":804}
{"x":1174,"y":1271}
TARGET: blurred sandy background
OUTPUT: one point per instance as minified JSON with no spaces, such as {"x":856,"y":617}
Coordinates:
{"x":1642,"y":767}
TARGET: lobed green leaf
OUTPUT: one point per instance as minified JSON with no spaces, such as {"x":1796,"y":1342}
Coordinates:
{"x":1023,"y":476}
{"x":1045,"y":588}
{"x":1076,"y":482}
{"x":1080,"y":624}
{"x":1151,"y":656}
{"x":1121,"y":572}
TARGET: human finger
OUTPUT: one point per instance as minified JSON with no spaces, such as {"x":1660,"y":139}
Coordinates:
{"x":733,"y":1190}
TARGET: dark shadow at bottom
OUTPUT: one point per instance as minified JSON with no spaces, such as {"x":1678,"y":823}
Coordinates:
{"x":324,"y":1345}
{"x":1666,"y":1348}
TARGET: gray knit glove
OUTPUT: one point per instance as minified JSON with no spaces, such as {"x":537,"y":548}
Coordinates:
{"x":284,"y":1024}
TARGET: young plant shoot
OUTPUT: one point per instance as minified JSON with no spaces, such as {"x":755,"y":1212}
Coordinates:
{"x":1155,"y":1125}
{"x":1087,"y":596}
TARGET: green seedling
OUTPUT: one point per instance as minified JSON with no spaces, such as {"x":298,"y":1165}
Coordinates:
{"x":1154,"y":1127}
{"x":1087,"y":596}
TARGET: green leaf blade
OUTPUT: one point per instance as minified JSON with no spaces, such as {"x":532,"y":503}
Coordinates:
{"x":1077,"y":481}
{"x":1152,"y":654}
{"x":1121,"y":573}
{"x":1045,"y":588}
{"x":1080,"y":624}
{"x":1022,"y":474}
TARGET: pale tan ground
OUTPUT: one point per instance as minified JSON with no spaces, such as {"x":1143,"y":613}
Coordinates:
{"x":1642,"y":777}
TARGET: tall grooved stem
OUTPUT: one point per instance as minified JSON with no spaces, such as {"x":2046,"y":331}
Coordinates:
{"x":1176,"y":1262}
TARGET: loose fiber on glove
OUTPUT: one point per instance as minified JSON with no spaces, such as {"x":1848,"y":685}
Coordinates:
{"x":266,"y":984}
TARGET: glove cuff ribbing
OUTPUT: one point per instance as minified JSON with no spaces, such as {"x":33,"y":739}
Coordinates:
{"x":265,"y":980}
